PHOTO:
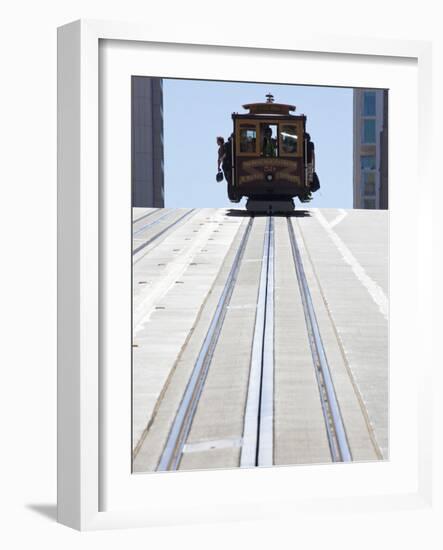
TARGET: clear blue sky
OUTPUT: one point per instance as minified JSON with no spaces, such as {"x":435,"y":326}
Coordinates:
{"x":196,"y":111}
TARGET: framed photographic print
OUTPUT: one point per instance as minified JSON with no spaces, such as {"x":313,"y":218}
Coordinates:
{"x":235,"y":249}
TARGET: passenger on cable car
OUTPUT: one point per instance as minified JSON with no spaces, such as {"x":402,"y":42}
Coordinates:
{"x":227,"y":159}
{"x":314,"y":182}
{"x":289,"y":140}
{"x":221,"y":152}
{"x":224,"y":161}
{"x":310,"y":152}
{"x":269,"y":148}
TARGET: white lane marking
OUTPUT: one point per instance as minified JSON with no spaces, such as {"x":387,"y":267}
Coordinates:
{"x":374,"y":290}
{"x":339,"y":218}
{"x":250,"y":429}
{"x":201,"y":446}
{"x":266,"y":447}
{"x":259,"y":401}
{"x":176,"y":268}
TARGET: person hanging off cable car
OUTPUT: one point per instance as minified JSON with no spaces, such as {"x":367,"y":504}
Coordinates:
{"x":313,"y":181}
{"x":224,"y":161}
{"x":221,"y":152}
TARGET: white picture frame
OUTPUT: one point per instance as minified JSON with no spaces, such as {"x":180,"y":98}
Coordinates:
{"x":84,"y":472}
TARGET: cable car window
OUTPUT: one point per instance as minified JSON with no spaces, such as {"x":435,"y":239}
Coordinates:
{"x":268,"y":140}
{"x":289,"y":139}
{"x":248,"y":138}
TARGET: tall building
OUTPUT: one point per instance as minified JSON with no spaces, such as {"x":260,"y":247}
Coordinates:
{"x":147,"y":142}
{"x":370,"y":148}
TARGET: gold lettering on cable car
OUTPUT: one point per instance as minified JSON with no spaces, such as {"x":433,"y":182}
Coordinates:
{"x":280,"y":168}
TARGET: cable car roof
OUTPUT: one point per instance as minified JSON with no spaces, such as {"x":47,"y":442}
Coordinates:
{"x":269,"y":107}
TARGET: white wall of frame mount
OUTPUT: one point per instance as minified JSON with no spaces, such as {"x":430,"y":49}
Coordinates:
{"x":95,"y":487}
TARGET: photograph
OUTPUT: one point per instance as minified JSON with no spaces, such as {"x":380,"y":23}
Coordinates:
{"x":260,"y":274}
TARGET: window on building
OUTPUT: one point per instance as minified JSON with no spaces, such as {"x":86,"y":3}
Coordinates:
{"x":369,"y":203}
{"x":368,"y":131}
{"x":369,"y":183}
{"x":367,"y":162}
{"x":368,"y":104}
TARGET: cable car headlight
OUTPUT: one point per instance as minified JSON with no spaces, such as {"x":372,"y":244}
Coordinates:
{"x":269,"y":177}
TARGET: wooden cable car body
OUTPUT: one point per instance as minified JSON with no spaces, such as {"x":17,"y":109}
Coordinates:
{"x":269,"y":152}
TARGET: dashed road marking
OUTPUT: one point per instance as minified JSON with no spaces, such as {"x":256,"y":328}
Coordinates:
{"x":339,"y":218}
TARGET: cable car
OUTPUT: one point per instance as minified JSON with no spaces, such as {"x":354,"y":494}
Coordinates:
{"x":271,"y":156}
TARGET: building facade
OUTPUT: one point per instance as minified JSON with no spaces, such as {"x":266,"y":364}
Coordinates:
{"x":147,"y":142}
{"x":370,"y":149}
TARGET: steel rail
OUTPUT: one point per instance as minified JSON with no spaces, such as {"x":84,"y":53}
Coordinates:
{"x":145,"y":216}
{"x":258,"y":433}
{"x":160,"y":233}
{"x":336,"y":433}
{"x":181,"y":426}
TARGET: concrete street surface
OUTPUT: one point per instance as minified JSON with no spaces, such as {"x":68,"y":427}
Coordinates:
{"x":180,"y":266}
